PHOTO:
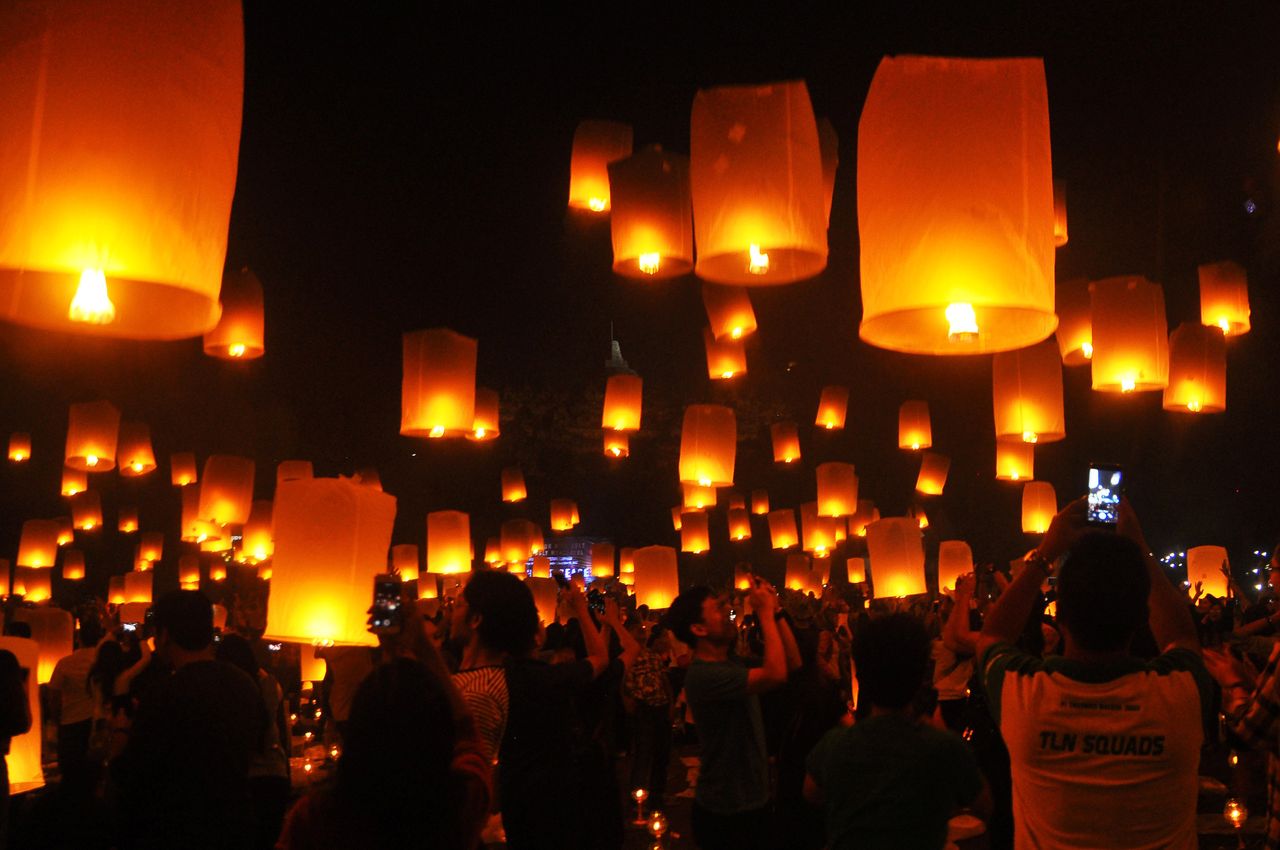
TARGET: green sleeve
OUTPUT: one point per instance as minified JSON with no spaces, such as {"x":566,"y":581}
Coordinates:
{"x":712,"y":682}
{"x":1190,"y":661}
{"x":999,"y":659}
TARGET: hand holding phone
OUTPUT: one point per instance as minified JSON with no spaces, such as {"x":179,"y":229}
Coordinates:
{"x":386,"y":616}
{"x":1106,"y":483}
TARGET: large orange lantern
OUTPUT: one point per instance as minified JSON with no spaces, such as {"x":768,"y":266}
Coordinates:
{"x":484,"y":426}
{"x":1015,"y":460}
{"x":895,"y":548}
{"x":438,"y":394}
{"x":1197,"y":370}
{"x":189,"y":571}
{"x":53,"y":630}
{"x":38,"y":545}
{"x":23,"y":760}
{"x":782,"y":529}
{"x":74,"y":481}
{"x":856,"y":569}
{"x":520,"y":539}
{"x":513,"y":489}
{"x":1039,"y":504}
{"x":708,"y":444}
{"x":652,"y":217}
{"x":194,"y":529}
{"x":151,"y":545}
{"x":866,"y":514}
{"x":695,"y":536}
{"x":933,"y":473}
{"x":817,"y":533}
{"x":294,"y":470}
{"x":563,"y":514}
{"x":331,"y":540}
{"x":312,"y":667}
{"x":239,"y":332}
{"x":72,"y":565}
{"x":786,"y":442}
{"x":1204,"y":565}
{"x":93,"y":431}
{"x":728,"y":311}
{"x":448,"y":542}
{"x":1059,"y":213}
{"x":86,"y":511}
{"x":1130,"y":336}
{"x":34,"y":585}
{"x":117,"y":206}
{"x":596,"y":143}
{"x":617,"y":444}
{"x":755,"y":168}
{"x":19,"y":447}
{"x":799,"y":573}
{"x":837,"y":489}
{"x":137,"y":586}
{"x":127,"y":519}
{"x":657,"y":577}
{"x":697,"y":497}
{"x":136,"y":457}
{"x":1026,"y":391}
{"x":759,"y":502}
{"x":725,"y":358}
{"x":955,"y":558}
{"x":915,"y":431}
{"x":1224,"y":297}
{"x":739,"y":524}
{"x":182,"y":469}
{"x":404,"y":559}
{"x":601,"y":564}
{"x":955,"y":206}
{"x":226,"y":490}
{"x":829,"y":148}
{"x":832,"y":407}
{"x":1075,"y":322}
{"x":256,"y":544}
{"x":622,"y":395}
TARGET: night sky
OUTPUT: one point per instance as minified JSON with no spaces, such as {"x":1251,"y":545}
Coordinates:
{"x":401,"y":171}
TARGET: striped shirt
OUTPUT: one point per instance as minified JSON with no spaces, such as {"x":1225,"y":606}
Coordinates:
{"x":1256,"y":724}
{"x":485,"y":691}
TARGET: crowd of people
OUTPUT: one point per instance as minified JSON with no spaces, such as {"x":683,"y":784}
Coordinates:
{"x":817,"y":723}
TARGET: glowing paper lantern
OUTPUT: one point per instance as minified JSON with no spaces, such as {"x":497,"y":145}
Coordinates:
{"x":1204,"y":564}
{"x":782,"y":529}
{"x":438,"y":394}
{"x":857,"y":570}
{"x":294,"y":470}
{"x":194,"y":529}
{"x":1015,"y":460}
{"x":596,"y":143}
{"x":1075,"y":322}
{"x":448,"y":542}
{"x":86,"y":511}
{"x":115,"y":590}
{"x":23,"y":760}
{"x":708,"y":443}
{"x":189,"y":571}
{"x":917,"y":513}
{"x":896,"y":550}
{"x":829,"y":148}
{"x":404,"y":560}
{"x":955,"y":558}
{"x":1039,"y":504}
{"x":72,"y":565}
{"x":541,"y":567}
{"x":676,"y":513}
{"x":239,"y":332}
{"x":837,"y":489}
{"x":759,"y":502}
{"x":331,"y":540}
{"x":256,"y":544}
{"x":1197,"y":370}
{"x":137,"y":586}
{"x":217,"y":570}
{"x":832,"y":407}
{"x":734,"y":500}
{"x":742,"y":577}
{"x":755,"y":167}
{"x":226,"y":490}
{"x":616,"y":444}
{"x":182,"y":469}
{"x":19,"y":447}
{"x":725,"y":359}
{"x":626,"y":560}
{"x":34,"y":585}
{"x":513,"y":489}
{"x":312,"y":667}
{"x":739,"y":524}
{"x":1224,"y":297}
{"x":117,"y":206}
{"x":1059,"y":213}
{"x":697,"y":497}
{"x":127,"y":519}
{"x":519,"y":540}
{"x":151,"y":546}
{"x":914,"y":429}
{"x":65,"y":530}
{"x":818,"y":533}
{"x":562,"y":514}
{"x":955,"y":206}
{"x":622,"y":395}
{"x":866,"y":514}
{"x":492,"y":551}
{"x":601,"y":560}
{"x":933,"y":473}
{"x":484,"y":426}
{"x":53,"y":630}
{"x":93,"y":430}
{"x":429,"y":585}
{"x":546,"y":597}
{"x":728,"y":311}
{"x":786,"y":442}
{"x":652,"y":217}
{"x":74,"y":481}
{"x":1130,"y":336}
{"x":1026,"y":391}
{"x":657,"y":577}
{"x":695,"y":537}
{"x":799,"y":572}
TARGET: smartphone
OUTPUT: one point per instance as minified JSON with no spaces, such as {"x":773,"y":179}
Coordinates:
{"x":1106,"y":483}
{"x":131,"y":628}
{"x":386,"y":612}
{"x":274,"y":647}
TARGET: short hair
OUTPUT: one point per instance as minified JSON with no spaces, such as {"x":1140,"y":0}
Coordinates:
{"x":508,"y":616}
{"x":1102,"y":591}
{"x":236,"y":650}
{"x":187,"y":615}
{"x":686,"y":612}
{"x":90,"y":630}
{"x":891,"y":657}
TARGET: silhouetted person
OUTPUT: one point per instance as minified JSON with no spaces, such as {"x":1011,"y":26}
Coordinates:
{"x":73,"y":697}
{"x":15,"y":720}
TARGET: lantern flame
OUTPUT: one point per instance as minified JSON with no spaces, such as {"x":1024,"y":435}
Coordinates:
{"x":137,"y":466}
{"x":1029,"y":436}
{"x":437,"y":431}
{"x":1086,"y":348}
{"x":1014,"y":475}
{"x":236,"y":349}
{"x":963,"y":322}
{"x":1128,"y":384}
{"x":1225,"y":324}
{"x":1194,"y":405}
{"x":915,"y":447}
{"x":736,"y":333}
{"x":759,"y":260}
{"x":649,"y":263}
{"x":91,"y":304}
{"x":726,"y":375}
{"x":597,"y":204}
{"x":91,"y":460}
{"x":480,"y":432}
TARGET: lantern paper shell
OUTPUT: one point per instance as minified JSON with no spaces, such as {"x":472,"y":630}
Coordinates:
{"x":66,"y":531}
{"x":856,"y":570}
{"x":1015,"y":460}
{"x":1075,"y":322}
{"x":151,"y":546}
{"x":596,"y":143}
{"x":955,"y":558}
{"x":239,"y":332}
{"x":832,"y":407}
{"x":438,"y":394}
{"x":837,"y":489}
{"x":1039,"y":504}
{"x":217,"y":570}
{"x":933,"y":473}
{"x":866,"y":513}
{"x":137,"y":586}
{"x":1059,"y":213}
{"x":1026,"y":391}
{"x":622,"y":395}
{"x":331,"y":540}
{"x":182,"y":469}
{"x":955,"y":206}
{"x":513,"y":489}
{"x":652,"y":217}
{"x":695,"y":536}
{"x":896,"y":551}
{"x":759,"y":502}
{"x":493,"y":551}
{"x":1197,"y":370}
{"x":34,"y":585}
{"x":95,"y":179}
{"x":541,"y":567}
{"x":818,"y":533}
{"x":189,"y":570}
{"x":626,"y":560}
{"x":729,"y":311}
{"x":734,"y":499}
{"x":786,"y":442}
{"x":697,"y":497}
{"x":755,"y":167}
{"x":829,"y":148}
{"x":256,"y":544}
{"x":19,"y":447}
{"x":563,"y":514}
{"x":428,"y":586}
{"x":782,"y":529}
{"x":799,"y":573}
{"x":739,"y":524}
{"x":519,"y":540}
{"x":484,"y":426}
{"x":676,"y":513}
{"x":742,"y":577}
{"x":914,"y":428}
{"x":115,"y":590}
{"x":1204,"y":564}
{"x":448,"y":542}
{"x":725,"y":358}
{"x":93,"y":430}
{"x":546,"y":597}
{"x":136,"y":612}
{"x":708,"y":443}
{"x":74,"y":481}
{"x":657,"y":577}
{"x":72,"y":565}
{"x":1130,"y":336}
{"x":294,"y":470}
{"x":127,"y":519}
{"x":601,"y":560}
{"x":194,"y":529}
{"x":311,"y":667}
{"x":616,"y":444}
{"x":86,"y":510}
{"x":1224,"y":297}
{"x":53,"y":630}
{"x":23,"y":760}
{"x":226,"y":490}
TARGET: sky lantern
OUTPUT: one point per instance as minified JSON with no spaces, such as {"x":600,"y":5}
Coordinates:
{"x":194,"y":529}
{"x":562,"y":514}
{"x":829,"y":150}
{"x":914,"y":429}
{"x":725,"y":358}
{"x":596,"y":143}
{"x":1224,"y":297}
{"x":239,"y":332}
{"x":294,"y":470}
{"x":728,"y":311}
{"x":428,"y":586}
{"x":657,"y":577}
{"x":493,"y":551}
{"x":837,"y":489}
{"x":616,"y":444}
{"x":135,"y":453}
{"x":137,"y":586}
{"x":734,"y":499}
{"x":955,"y":206}
{"x":256,"y":544}
{"x":541,"y":567}
{"x":484,"y":426}
{"x":448,"y":542}
{"x":917,"y":513}
{"x":115,"y":590}
{"x":86,"y":511}
{"x":759,"y":502}
{"x":23,"y":760}
{"x":622,"y":395}
{"x":66,"y":531}
{"x":782,"y":529}
{"x":832,"y":407}
{"x":331,"y":540}
{"x":933,"y":473}
{"x":755,"y":167}
{"x":955,"y":558}
{"x":93,"y":430}
{"x":53,"y":630}
{"x":117,"y":205}
{"x":786,"y":442}
{"x":127,"y":519}
{"x":1026,"y":392}
{"x":866,"y":514}
{"x":739,"y":524}
{"x":72,"y":565}
{"x":799,"y":572}
{"x":601,"y":560}
{"x":1039,"y":504}
{"x":1075,"y":322}
{"x":677,"y":512}
{"x":1059,"y":213}
{"x":695,"y":537}
{"x":404,"y":559}
{"x":513,"y":489}
{"x":182,"y":469}
{"x":856,"y":570}
{"x":743,"y":579}
{"x":1015,"y":460}
{"x":626,"y":560}
{"x":74,"y":481}
{"x":818,"y":533}
{"x":217,"y":570}
{"x":652,"y":217}
{"x":19,"y":447}
{"x":1197,"y":370}
{"x":189,"y":571}
{"x":220,"y":544}
{"x":1204,"y":564}
{"x":38,"y":545}
{"x":1130,"y":335}
{"x":546,"y":597}
{"x":519,"y":539}
{"x":226,"y":490}
{"x":151,"y":545}
{"x":438,"y":393}
{"x":708,"y":443}
{"x":895,"y":548}
{"x":34,"y":585}
{"x":697,"y":497}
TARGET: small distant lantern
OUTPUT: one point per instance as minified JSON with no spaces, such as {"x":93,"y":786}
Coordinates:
{"x":896,"y":550}
{"x":72,"y":565}
{"x":53,"y":630}
{"x":616,"y":444}
{"x":74,"y":481}
{"x":520,"y":538}
{"x":182,"y":469}
{"x":404,"y":559}
{"x":65,"y":530}
{"x":189,"y":571}
{"x":601,"y":560}
{"x":493,"y":551}
{"x":657,"y":577}
{"x":652,"y":217}
{"x":697,"y":497}
{"x":484,"y":426}
{"x":829,"y":148}
{"x":1039,"y":504}
{"x":832,"y":407}
{"x":140,"y":563}
{"x":127,"y":519}
{"x":1204,"y":564}
{"x":742,"y":576}
{"x":294,"y":470}
{"x":695,"y":536}
{"x":626,"y":560}
{"x":513,"y":489}
{"x":708,"y":444}
{"x":917,"y":513}
{"x":367,"y":476}
{"x":759,"y":502}
{"x":622,"y":397}
{"x":1197,"y":370}
{"x":256,"y":543}
{"x":115,"y":590}
{"x":239,"y":332}
{"x":782,"y":529}
{"x":955,"y":558}
{"x":1075,"y":322}
{"x":1059,"y":213}
{"x":151,"y":546}
{"x":866,"y":514}
{"x":562,"y":514}
{"x":725,"y":358}
{"x":915,"y":431}
{"x":1026,"y":391}
{"x":1015,"y":460}
{"x":33,"y":585}
{"x":136,"y":457}
{"x":837,"y":489}
{"x":137,"y":586}
{"x":856,"y":570}
{"x":739,"y":524}
{"x":799,"y":572}
{"x":86,"y":511}
{"x":1130,"y":336}
{"x":728,"y":311}
{"x":438,"y":392}
{"x":786,"y":442}
{"x":448,"y":542}
{"x":226,"y":490}
{"x":733,"y":499}
{"x":541,"y":567}
{"x":428,"y":586}
{"x":596,"y":143}
{"x":217,"y":570}
{"x":38,"y":545}
{"x":817,"y":533}
{"x":19,"y":447}
{"x":755,"y":168}
{"x":677,"y":512}
{"x":933,"y":473}
{"x":92,"y":433}
{"x":1224,"y":297}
